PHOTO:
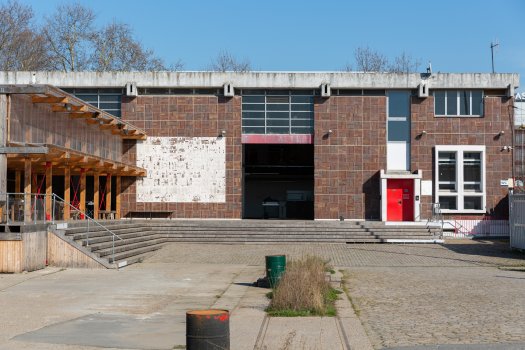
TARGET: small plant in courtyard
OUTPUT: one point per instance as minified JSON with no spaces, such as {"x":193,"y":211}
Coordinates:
{"x":304,"y":290}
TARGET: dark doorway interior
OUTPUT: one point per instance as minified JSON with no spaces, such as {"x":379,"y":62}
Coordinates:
{"x":278,"y":181}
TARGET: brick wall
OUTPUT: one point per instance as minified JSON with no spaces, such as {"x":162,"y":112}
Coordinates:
{"x":347,"y":162}
{"x":465,"y":131}
{"x":187,"y":116}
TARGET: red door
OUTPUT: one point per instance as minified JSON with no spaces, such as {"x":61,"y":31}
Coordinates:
{"x":400,"y":200}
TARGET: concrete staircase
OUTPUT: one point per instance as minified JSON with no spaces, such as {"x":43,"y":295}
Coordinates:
{"x":277,"y":231}
{"x":133,"y":241}
{"x":138,"y":238}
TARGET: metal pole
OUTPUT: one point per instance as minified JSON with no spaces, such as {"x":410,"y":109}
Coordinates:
{"x":87,"y":235}
{"x":113,"y":249}
{"x":53,"y":213}
{"x":7,"y":208}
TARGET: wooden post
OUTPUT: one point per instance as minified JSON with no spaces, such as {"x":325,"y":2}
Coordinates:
{"x":82,"y":205}
{"x":27,"y":190}
{"x":49,"y":190}
{"x":67,"y":193}
{"x":96,"y":197}
{"x":18,"y":181}
{"x":108,"y":193}
{"x":117,"y":197}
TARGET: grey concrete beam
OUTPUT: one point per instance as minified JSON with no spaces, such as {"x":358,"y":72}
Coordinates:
{"x":24,"y":150}
{"x":286,"y":80}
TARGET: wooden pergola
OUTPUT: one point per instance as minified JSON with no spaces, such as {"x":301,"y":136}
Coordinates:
{"x":50,"y":159}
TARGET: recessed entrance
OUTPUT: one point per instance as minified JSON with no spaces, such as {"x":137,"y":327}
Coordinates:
{"x":278,"y":181}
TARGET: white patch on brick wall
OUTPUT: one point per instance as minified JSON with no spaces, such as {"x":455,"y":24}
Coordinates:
{"x":182,"y":169}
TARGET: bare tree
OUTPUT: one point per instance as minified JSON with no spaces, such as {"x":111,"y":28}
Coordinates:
{"x":404,"y":63}
{"x":226,"y":62}
{"x":21,"y":46}
{"x":115,"y":49}
{"x":68,"y":32}
{"x":368,"y":60}
{"x":347,"y":68}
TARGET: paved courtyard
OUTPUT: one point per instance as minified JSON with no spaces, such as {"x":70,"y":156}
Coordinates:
{"x":463,"y":292}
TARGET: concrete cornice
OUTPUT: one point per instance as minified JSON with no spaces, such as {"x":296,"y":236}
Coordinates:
{"x":279,"y":80}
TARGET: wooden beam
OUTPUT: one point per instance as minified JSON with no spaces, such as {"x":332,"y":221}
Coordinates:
{"x":18,"y":181}
{"x":69,"y":108}
{"x":82,"y":205}
{"x":49,"y":190}
{"x":67,"y":192}
{"x":27,"y":190}
{"x":84,"y":114}
{"x":49,"y":99}
{"x":24,"y":150}
{"x":23,"y":89}
{"x":96,"y":196}
{"x":117,"y":197}
{"x":108,"y":193}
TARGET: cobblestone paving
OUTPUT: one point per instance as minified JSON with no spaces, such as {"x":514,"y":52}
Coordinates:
{"x":455,"y":253}
{"x":439,"y":305}
{"x":409,"y":295}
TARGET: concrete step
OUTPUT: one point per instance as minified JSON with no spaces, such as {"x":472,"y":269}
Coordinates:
{"x":96,"y":228}
{"x":257,"y":229}
{"x":268,"y":240}
{"x":124,"y":236}
{"x":122,"y":257}
{"x":109,"y":244}
{"x":129,"y":247}
{"x":268,"y":237}
{"x":103,"y":233}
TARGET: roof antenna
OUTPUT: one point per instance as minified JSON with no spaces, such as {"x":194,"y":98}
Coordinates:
{"x":492,"y":46}
{"x":429,"y":68}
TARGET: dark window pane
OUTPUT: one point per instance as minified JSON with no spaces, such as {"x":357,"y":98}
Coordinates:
{"x":277,"y":122}
{"x":277,"y":107}
{"x":252,"y":107}
{"x":253,"y":122}
{"x":88,"y":97}
{"x":447,"y":167}
{"x":110,"y":98}
{"x":302,"y":122}
{"x":277,"y":99}
{"x":277,"y":92}
{"x":472,"y":203}
{"x":302,"y":99}
{"x":452,"y":102}
{"x":108,"y":105}
{"x":158,"y":91}
{"x":253,"y":99}
{"x":277,"y":115}
{"x":305,"y":107}
{"x":439,"y":102}
{"x":464,"y":102}
{"x":277,"y":130}
{"x":448,"y":202}
{"x":256,"y":130}
{"x":399,"y":103}
{"x":205,"y":91}
{"x":343,"y":92}
{"x":302,"y":115}
{"x":374,"y":92}
{"x":302,"y":92}
{"x":252,"y":92}
{"x":248,"y":114}
{"x":398,"y":131}
{"x":477,"y":102}
{"x":302,"y":130}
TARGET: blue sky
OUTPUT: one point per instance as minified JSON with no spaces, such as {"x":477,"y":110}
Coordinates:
{"x":322,"y":35}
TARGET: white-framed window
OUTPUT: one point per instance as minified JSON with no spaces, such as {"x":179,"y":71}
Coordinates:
{"x":460,"y":178}
{"x":458,"y":103}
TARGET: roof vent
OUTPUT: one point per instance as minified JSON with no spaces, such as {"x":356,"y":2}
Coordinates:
{"x":326,"y":91}
{"x":422,"y":90}
{"x":131,"y":89}
{"x":229,"y":91}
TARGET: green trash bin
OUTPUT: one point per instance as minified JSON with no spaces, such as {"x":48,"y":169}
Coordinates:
{"x":275,"y":267}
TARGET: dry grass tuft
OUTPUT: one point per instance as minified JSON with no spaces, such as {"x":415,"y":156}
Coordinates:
{"x":303,"y":288}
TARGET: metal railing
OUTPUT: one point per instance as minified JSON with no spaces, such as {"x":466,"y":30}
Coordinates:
{"x":16,"y":210}
{"x":437,"y":216}
{"x":56,"y":200}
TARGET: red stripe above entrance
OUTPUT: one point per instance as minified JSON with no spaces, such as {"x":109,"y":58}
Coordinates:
{"x":277,"y":138}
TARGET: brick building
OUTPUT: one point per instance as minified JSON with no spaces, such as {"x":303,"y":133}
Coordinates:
{"x":375,"y":146}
